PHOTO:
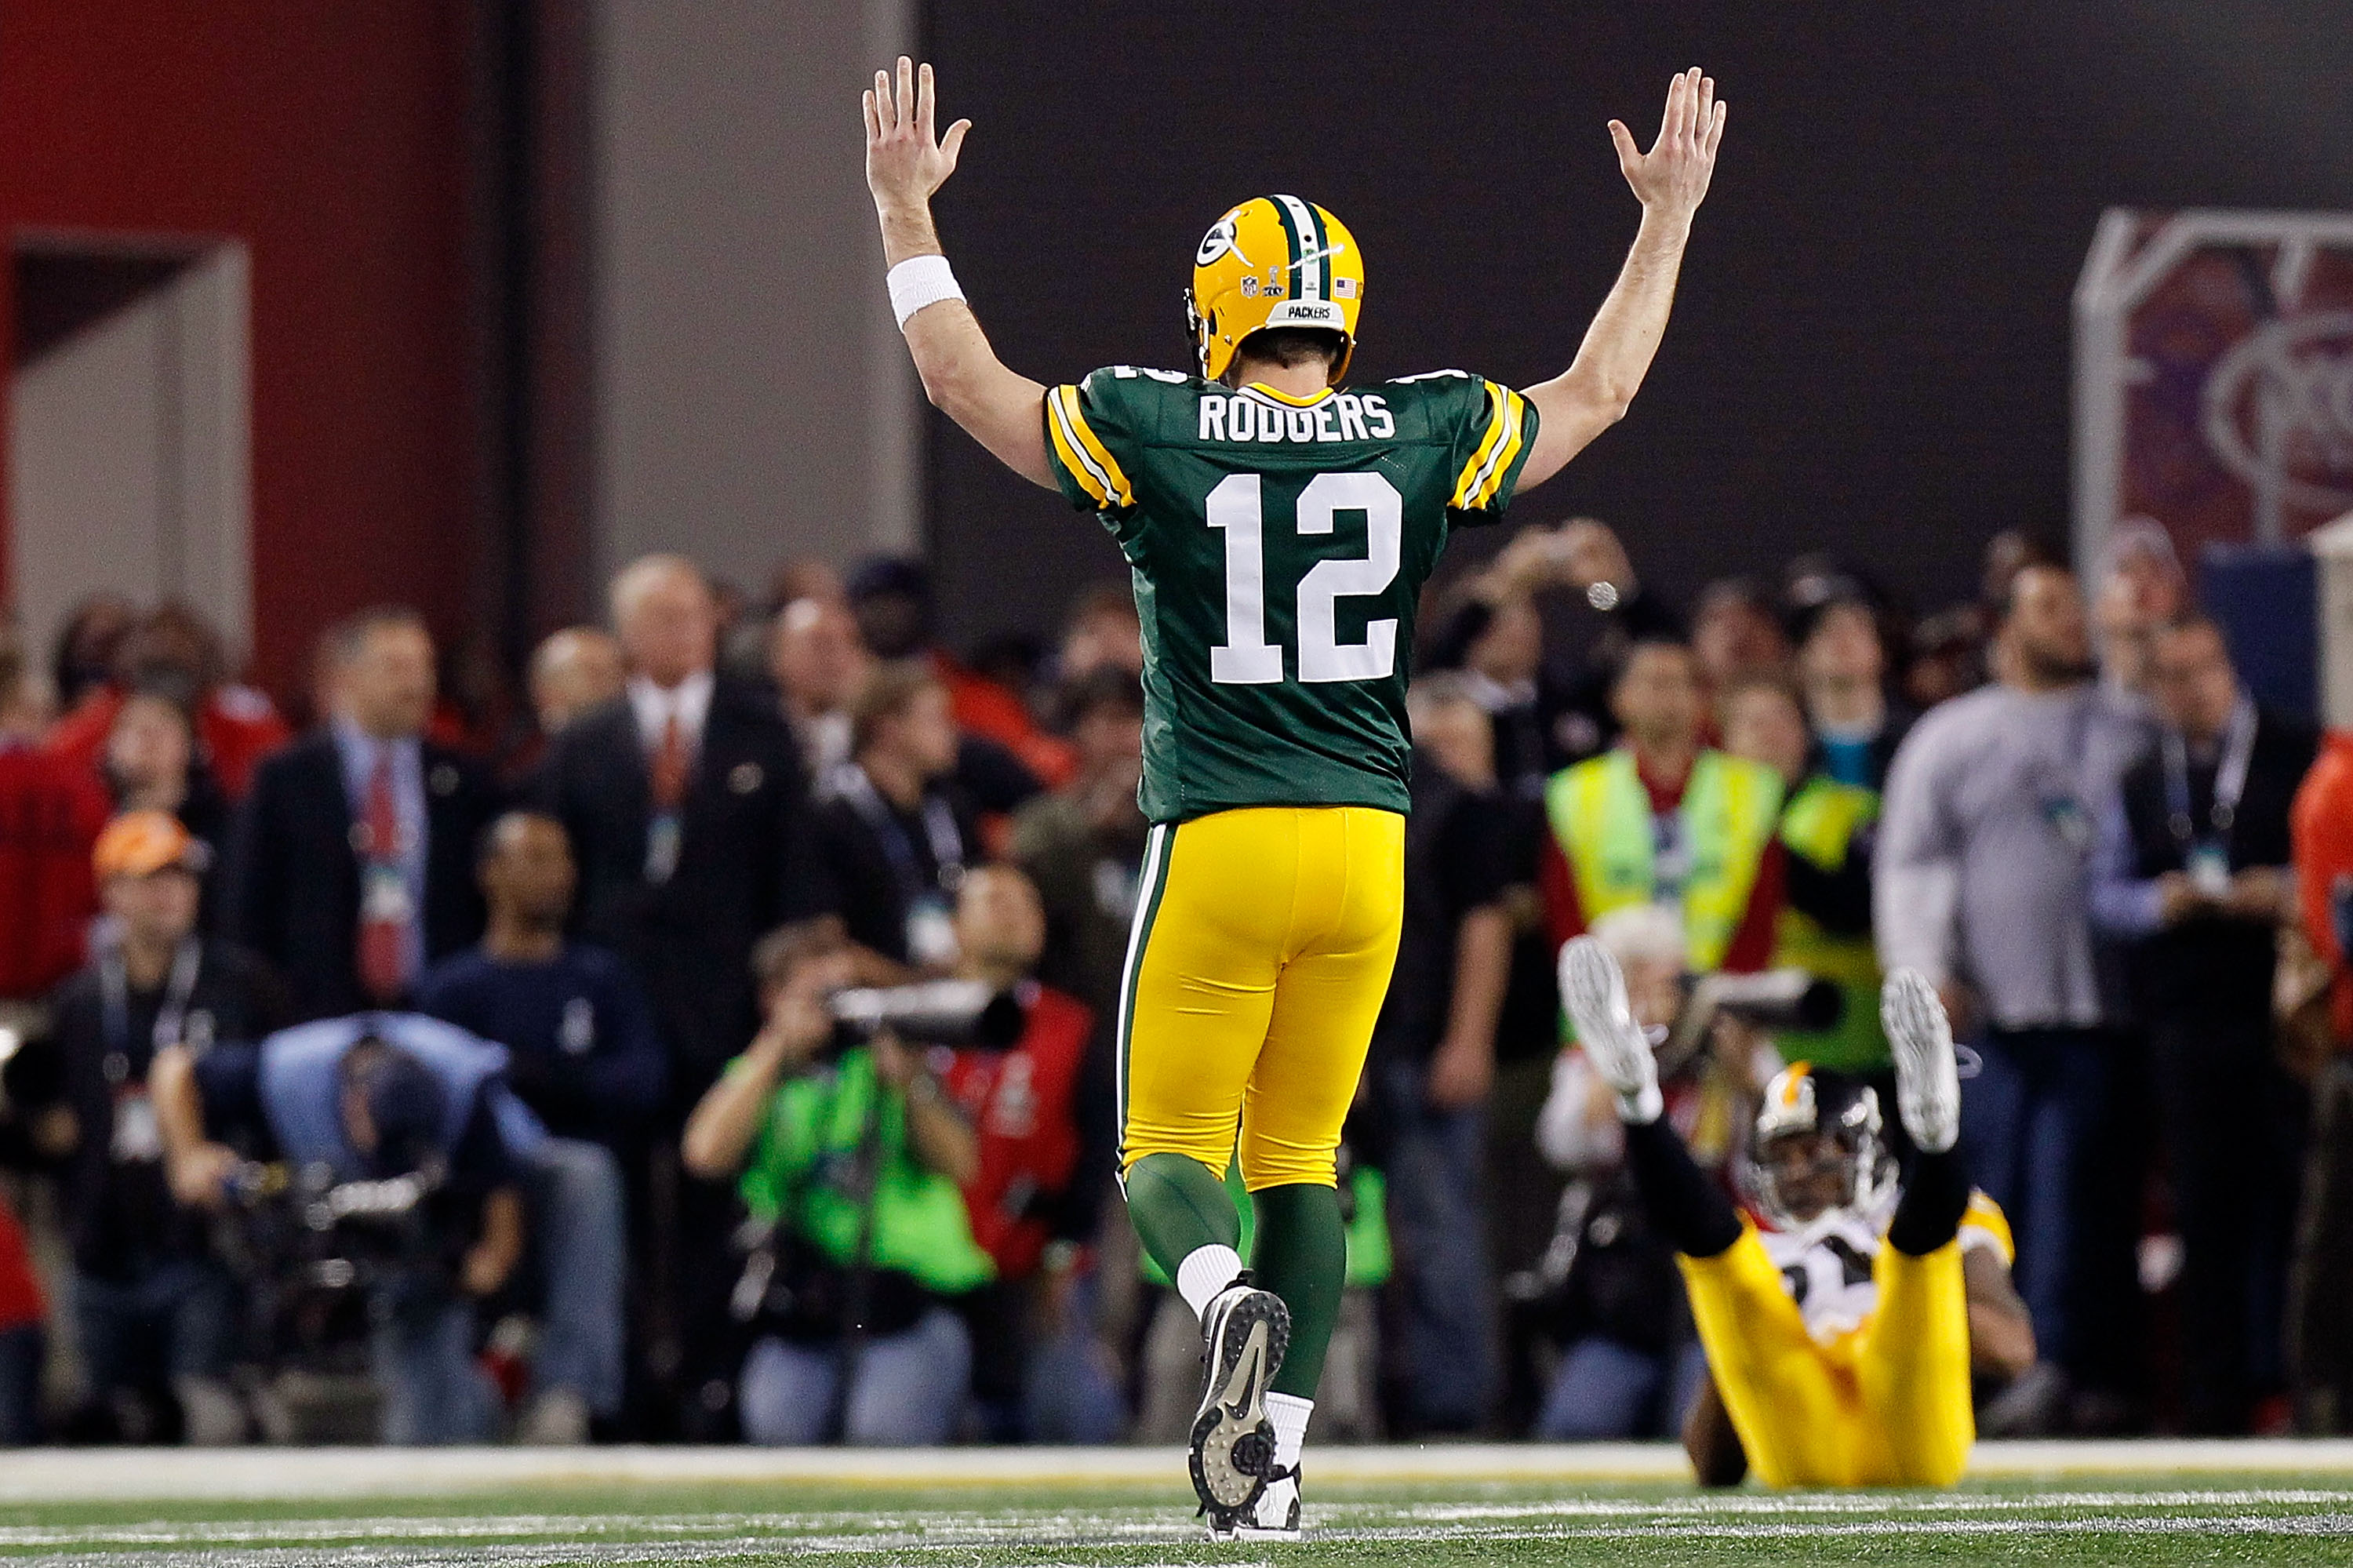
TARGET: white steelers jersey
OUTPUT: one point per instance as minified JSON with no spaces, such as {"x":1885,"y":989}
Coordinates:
{"x":1826,"y":1265}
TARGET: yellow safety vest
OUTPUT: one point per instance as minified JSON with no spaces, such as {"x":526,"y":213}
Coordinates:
{"x":1819,"y":825}
{"x":1600,"y":817}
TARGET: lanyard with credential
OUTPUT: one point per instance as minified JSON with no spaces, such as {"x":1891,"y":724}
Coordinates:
{"x":114,"y":983}
{"x":939,"y":830}
{"x":2229,"y":780}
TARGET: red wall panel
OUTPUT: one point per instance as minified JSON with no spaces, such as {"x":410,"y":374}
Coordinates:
{"x":331,"y":139}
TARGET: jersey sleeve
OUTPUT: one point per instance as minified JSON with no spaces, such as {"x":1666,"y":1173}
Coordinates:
{"x":1983,"y":1225}
{"x":1091,"y":442}
{"x":1496,"y":430}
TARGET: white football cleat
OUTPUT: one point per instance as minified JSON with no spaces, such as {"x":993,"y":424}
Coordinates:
{"x":1927,"y":1077}
{"x":1232,"y":1451}
{"x":1593,"y":990}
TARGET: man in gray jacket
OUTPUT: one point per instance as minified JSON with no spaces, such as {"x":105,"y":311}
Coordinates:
{"x":1983,"y":885}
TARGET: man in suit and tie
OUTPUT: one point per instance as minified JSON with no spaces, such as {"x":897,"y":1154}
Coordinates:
{"x":352,"y":866}
{"x":687,"y":809}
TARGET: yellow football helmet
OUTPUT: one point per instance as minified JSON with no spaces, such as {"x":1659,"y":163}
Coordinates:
{"x":1273,"y":262}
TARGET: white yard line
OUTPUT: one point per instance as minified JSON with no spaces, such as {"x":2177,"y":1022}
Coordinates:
{"x":1121,"y":1522}
{"x":962,"y":1541}
{"x":513,"y":1539}
{"x":290,"y":1474}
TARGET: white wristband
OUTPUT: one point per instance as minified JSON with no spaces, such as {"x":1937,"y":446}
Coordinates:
{"x":921,"y":281}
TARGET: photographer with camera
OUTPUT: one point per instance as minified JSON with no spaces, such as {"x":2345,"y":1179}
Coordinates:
{"x":851,"y":1159}
{"x":405,"y":1142}
{"x":155,"y":1311}
{"x":1631,"y":1366}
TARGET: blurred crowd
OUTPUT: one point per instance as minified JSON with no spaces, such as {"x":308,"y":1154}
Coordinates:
{"x":607,"y":1059}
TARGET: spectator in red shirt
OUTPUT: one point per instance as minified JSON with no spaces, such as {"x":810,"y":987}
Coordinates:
{"x":236,"y":725}
{"x":50,"y":815}
{"x":1043,"y":1114}
{"x":2320,"y":1331}
{"x":22,"y":1311}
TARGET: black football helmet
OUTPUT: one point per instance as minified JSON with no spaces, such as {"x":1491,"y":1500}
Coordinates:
{"x":1817,"y":1147}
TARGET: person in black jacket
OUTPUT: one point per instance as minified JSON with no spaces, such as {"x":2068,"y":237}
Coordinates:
{"x":353,"y":865}
{"x":896,"y":834}
{"x":687,"y":809}
{"x":2193,"y":871}
{"x":154,"y":1310}
{"x":1433,"y":1064}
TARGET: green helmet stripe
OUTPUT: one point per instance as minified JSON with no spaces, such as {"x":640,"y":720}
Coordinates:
{"x":1298,"y":243}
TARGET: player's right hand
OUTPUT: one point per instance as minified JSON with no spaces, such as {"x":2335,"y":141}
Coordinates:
{"x":1673,"y":176}
{"x":905,"y":161}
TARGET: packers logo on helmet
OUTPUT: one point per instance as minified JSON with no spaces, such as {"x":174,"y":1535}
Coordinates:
{"x":1273,"y":262}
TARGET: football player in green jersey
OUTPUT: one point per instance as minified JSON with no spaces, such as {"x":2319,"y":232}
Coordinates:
{"x":1280,"y":527}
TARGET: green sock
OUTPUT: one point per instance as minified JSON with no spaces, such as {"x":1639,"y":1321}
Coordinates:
{"x":1176,"y":1204}
{"x":1301,"y":1254}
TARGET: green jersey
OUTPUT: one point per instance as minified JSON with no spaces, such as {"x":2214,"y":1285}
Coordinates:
{"x":1278,"y":549}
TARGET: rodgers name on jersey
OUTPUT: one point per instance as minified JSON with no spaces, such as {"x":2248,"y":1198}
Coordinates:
{"x":1279,"y":548}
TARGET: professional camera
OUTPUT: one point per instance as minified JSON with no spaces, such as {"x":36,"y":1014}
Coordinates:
{"x":310,"y":1233}
{"x":1775,"y":998}
{"x":931,"y":1012}
{"x":309,"y":1251}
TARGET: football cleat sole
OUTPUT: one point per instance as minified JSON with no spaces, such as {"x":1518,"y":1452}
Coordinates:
{"x":1593,"y":991}
{"x":1232,"y":1451}
{"x":1927,"y":1075}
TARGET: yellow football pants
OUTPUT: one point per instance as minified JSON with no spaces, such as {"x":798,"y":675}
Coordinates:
{"x":1887,"y":1406}
{"x":1261,"y":954}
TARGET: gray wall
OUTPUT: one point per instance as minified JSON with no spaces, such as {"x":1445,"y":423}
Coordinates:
{"x":752,"y":400}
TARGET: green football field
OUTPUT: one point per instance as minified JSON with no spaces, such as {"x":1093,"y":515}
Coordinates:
{"x":379,"y":1510}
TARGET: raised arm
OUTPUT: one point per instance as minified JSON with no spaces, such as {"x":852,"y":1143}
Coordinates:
{"x":905,"y":162}
{"x":1671,"y":179}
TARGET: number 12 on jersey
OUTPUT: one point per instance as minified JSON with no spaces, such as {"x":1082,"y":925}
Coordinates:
{"x":1247,"y":658}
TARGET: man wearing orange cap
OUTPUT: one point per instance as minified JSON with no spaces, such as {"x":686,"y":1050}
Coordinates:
{"x":155,"y":1311}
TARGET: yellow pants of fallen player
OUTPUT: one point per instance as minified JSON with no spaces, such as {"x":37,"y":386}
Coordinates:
{"x":1261,"y":954}
{"x":1884,"y":1406}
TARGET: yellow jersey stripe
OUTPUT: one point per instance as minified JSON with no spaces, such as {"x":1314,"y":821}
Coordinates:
{"x":1515,"y":436}
{"x":1122,"y":493}
{"x":1076,"y":463}
{"x":1475,"y":473}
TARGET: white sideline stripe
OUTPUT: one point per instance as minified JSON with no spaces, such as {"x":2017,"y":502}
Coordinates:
{"x":1139,"y":1523}
{"x":960,"y":1543}
{"x":33,"y":1475}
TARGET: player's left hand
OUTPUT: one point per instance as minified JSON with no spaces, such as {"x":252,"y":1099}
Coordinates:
{"x":905,"y":162}
{"x":1672,"y":177}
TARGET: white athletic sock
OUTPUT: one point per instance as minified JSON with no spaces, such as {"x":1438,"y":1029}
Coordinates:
{"x":1206,"y":1271}
{"x":1289,"y":1413}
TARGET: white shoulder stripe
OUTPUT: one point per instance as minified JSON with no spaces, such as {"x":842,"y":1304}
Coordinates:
{"x":1103,"y":486}
{"x":1500,"y":398}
